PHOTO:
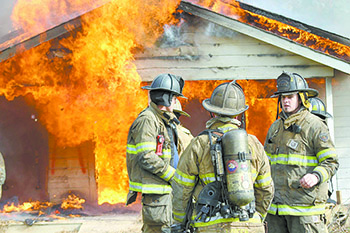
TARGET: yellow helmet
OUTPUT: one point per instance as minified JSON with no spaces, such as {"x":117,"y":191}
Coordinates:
{"x":178,"y":109}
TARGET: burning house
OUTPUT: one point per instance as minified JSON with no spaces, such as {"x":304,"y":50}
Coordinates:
{"x":70,"y":89}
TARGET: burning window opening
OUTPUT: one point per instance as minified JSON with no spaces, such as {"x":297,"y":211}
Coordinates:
{"x":85,"y":91}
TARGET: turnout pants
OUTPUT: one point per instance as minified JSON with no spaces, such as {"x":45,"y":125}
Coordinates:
{"x":156,"y":213}
{"x":296,"y":224}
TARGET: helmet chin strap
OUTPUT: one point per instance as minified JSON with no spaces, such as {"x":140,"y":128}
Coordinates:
{"x":278,"y":106}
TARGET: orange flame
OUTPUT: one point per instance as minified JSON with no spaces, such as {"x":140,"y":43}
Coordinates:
{"x":262,"y":109}
{"x":72,"y":202}
{"x":232,"y":9}
{"x":85,"y":85}
{"x":26,"y":206}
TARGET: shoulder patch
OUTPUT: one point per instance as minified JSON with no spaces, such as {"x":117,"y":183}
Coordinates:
{"x":323,"y":137}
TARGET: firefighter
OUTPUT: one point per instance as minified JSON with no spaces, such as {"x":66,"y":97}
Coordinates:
{"x":152,"y":153}
{"x":319,"y":109}
{"x":198,"y":188}
{"x":185,"y":135}
{"x":302,"y":157}
{"x":334,"y":212}
{"x":2,"y":173}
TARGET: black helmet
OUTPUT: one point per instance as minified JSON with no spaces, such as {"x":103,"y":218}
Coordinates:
{"x":288,"y":83}
{"x":318,"y":108}
{"x":227,"y":99}
{"x":167,"y":82}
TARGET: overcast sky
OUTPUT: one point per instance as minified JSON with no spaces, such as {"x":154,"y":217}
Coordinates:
{"x":5,"y":14}
{"x":329,"y":15}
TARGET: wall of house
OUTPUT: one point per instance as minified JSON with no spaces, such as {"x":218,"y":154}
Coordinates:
{"x":341,"y":117}
{"x":206,"y":51}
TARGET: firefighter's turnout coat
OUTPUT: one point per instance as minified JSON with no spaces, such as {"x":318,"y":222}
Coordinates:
{"x":196,"y":164}
{"x":294,"y":153}
{"x":148,"y":172}
{"x":185,"y":137}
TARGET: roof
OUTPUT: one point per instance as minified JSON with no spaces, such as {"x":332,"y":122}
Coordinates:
{"x":17,"y":40}
{"x":320,"y":53}
{"x":247,"y":25}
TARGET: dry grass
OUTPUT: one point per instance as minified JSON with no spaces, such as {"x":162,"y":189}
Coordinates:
{"x":338,"y":218}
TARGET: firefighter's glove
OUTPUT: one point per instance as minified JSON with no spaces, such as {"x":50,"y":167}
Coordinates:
{"x":309,"y":180}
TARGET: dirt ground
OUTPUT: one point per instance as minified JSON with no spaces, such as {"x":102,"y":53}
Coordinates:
{"x":113,"y":219}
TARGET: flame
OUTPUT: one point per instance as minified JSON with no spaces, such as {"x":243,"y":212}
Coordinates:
{"x":85,"y":86}
{"x":72,"y":202}
{"x":232,"y":9}
{"x":26,"y":206}
{"x":262,"y":109}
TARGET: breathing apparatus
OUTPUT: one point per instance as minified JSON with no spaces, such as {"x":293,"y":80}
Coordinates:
{"x":231,"y":194}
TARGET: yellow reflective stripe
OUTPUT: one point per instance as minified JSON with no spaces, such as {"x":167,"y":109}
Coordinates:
{"x":219,"y":219}
{"x":325,"y":154}
{"x":269,"y":155}
{"x":168,"y":174}
{"x":166,"y":153}
{"x":227,"y":127}
{"x":272,"y":209}
{"x":297,"y":210}
{"x":184,"y":179}
{"x":263,"y":180}
{"x":133,"y":186}
{"x":149,"y":188}
{"x":207,"y":178}
{"x":179,"y":216}
{"x":293,"y":159}
{"x":140,"y":147}
{"x":323,"y":172}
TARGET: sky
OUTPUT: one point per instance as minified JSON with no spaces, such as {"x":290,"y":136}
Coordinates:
{"x":5,"y":16}
{"x":329,"y":15}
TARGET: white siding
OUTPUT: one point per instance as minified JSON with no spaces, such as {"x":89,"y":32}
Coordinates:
{"x":206,"y":54}
{"x":341,"y":112}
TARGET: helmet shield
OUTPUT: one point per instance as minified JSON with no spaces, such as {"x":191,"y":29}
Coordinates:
{"x":227,"y":99}
{"x":167,"y":82}
{"x":289,"y":83}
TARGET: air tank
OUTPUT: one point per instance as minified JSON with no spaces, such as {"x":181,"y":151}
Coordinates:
{"x":237,"y":167}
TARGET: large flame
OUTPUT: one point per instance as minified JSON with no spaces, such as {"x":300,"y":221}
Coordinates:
{"x":262,"y":108}
{"x":85,"y":86}
{"x":232,"y":9}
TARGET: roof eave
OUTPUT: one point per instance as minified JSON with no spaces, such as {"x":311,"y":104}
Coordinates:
{"x":40,"y":38}
{"x":266,"y":36}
